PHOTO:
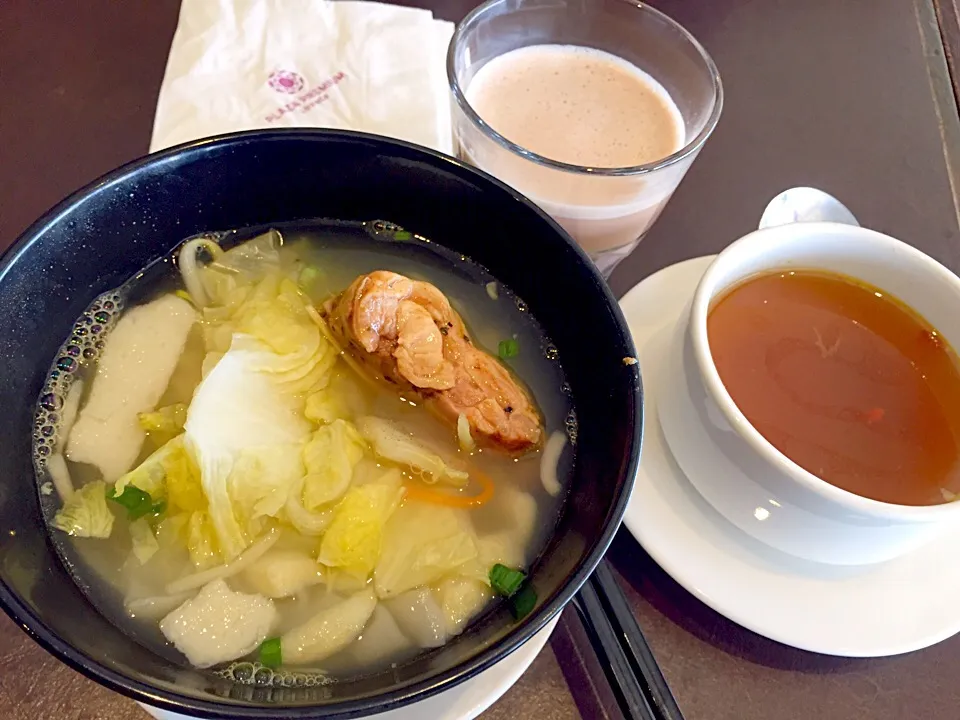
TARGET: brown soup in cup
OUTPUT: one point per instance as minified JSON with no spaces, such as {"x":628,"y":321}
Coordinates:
{"x":845,"y":380}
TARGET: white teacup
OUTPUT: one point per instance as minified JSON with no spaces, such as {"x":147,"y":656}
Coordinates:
{"x":740,"y":473}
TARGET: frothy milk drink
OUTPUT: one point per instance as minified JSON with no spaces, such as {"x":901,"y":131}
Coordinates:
{"x":587,"y":108}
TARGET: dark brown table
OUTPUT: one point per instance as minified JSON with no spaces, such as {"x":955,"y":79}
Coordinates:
{"x":852,"y":96}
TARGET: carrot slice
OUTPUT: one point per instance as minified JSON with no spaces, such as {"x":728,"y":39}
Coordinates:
{"x":419,"y":491}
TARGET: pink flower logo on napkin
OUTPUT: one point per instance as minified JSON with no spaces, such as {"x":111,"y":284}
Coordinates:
{"x":286,"y":81}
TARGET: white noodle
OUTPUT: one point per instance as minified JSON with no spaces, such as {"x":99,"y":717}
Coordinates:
{"x":190,"y":269}
{"x":155,"y":607}
{"x":221,"y":572}
{"x":55,"y":464}
{"x":550,"y":460}
{"x":467,"y":443}
{"x":308,"y":523}
{"x":60,"y":475}
{"x":71,"y":407}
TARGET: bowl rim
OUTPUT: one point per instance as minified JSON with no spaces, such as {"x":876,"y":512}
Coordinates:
{"x":396,"y":697}
{"x":710,"y":287}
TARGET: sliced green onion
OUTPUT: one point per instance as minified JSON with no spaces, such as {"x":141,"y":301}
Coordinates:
{"x":506,"y":581}
{"x":270,"y":654}
{"x":308,"y":276}
{"x":402,"y":235}
{"x":137,"y":502}
{"x":523,"y":602}
{"x":159,"y":507}
{"x":508,"y":348}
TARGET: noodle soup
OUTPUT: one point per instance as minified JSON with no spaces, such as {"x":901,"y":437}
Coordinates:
{"x":304,"y":455}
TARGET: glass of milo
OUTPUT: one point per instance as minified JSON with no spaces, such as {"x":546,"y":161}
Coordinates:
{"x":593,"y":109}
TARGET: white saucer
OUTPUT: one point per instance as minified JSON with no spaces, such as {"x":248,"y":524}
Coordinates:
{"x":894,"y":607}
{"x":463,"y":702}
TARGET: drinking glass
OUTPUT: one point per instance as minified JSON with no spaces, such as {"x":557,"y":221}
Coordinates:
{"x":606,"y":210}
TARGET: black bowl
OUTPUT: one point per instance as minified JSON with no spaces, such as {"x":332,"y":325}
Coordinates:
{"x":100,"y":236}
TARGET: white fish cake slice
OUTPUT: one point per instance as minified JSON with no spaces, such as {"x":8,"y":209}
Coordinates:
{"x":135,"y":368}
{"x":219,"y":625}
{"x":329,"y":631}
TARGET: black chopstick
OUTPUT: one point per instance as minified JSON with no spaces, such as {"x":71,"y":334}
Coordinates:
{"x":624,"y":683}
{"x":632,"y":671}
{"x":635,"y":644}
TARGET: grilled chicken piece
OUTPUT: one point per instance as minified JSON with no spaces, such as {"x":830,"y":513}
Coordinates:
{"x":406,"y":331}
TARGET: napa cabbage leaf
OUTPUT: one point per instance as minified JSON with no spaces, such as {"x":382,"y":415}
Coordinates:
{"x":390,"y":442}
{"x":422,"y":544}
{"x":226,"y":279}
{"x":171,"y":532}
{"x":85,"y":513}
{"x":260,"y":482}
{"x":165,"y":422}
{"x":238,"y":410}
{"x":354,"y":540}
{"x":322,"y":408}
{"x":168,"y":472}
{"x":246,"y":427}
{"x":145,"y":544}
{"x":329,"y":458}
{"x":202,"y":541}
